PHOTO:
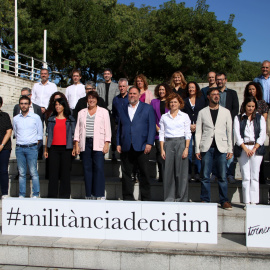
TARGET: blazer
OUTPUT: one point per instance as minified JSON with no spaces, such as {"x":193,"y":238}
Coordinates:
{"x":206,"y":131}
{"x":70,"y":128}
{"x":37,"y":110}
{"x":232,"y":102}
{"x":140,"y":131}
{"x":199,"y":105}
{"x":102,"y":129}
{"x":113,"y":92}
{"x":155,"y":103}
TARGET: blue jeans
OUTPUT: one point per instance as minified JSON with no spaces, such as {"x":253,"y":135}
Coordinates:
{"x":221,"y":166}
{"x":93,"y":167}
{"x":230,"y":167}
{"x":28,"y":156}
{"x":197,"y":162}
{"x":4,"y":159}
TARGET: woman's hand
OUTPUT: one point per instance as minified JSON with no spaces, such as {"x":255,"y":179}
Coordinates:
{"x":193,"y":127}
{"x":185,"y":153}
{"x":46,"y":153}
{"x":163,"y":154}
{"x":77,"y":149}
{"x":105,"y":148}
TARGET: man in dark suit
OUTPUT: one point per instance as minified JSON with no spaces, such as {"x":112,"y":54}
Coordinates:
{"x":229,"y":100}
{"x":135,"y":137}
{"x":33,"y":107}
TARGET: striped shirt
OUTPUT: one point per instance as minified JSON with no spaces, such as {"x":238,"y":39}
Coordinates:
{"x":90,"y":120}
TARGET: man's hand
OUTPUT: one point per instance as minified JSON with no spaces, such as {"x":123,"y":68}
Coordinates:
{"x":118,"y":149}
{"x":147,"y":148}
{"x":229,"y":155}
{"x":198,"y":156}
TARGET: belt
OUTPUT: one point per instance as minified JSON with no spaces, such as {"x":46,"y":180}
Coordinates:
{"x":249,"y":143}
{"x":174,"y":139}
{"x":26,"y":145}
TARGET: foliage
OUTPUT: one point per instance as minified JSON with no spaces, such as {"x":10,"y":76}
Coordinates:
{"x":94,"y":34}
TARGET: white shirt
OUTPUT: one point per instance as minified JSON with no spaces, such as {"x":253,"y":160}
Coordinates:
{"x":41,"y":93}
{"x":249,"y":135}
{"x":174,"y":127}
{"x":132,"y":110}
{"x":74,"y":93}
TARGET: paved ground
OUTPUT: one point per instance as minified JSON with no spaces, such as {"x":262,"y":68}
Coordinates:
{"x":21,"y":267}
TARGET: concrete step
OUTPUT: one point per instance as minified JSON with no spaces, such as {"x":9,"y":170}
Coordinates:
{"x":229,"y":253}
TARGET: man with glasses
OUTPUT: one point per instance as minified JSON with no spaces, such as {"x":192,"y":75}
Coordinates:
{"x":82,"y":102}
{"x":28,"y":132}
{"x":214,"y":142}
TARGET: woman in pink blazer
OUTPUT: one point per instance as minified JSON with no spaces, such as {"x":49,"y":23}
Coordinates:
{"x":92,"y":137}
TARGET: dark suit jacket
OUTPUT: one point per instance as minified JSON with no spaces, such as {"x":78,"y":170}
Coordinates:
{"x":82,"y":104}
{"x":140,"y":131}
{"x":232,"y":102}
{"x":199,"y":104}
{"x":37,"y":110}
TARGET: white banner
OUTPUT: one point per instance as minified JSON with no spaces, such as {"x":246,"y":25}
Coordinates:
{"x":258,"y":226}
{"x":119,"y":220}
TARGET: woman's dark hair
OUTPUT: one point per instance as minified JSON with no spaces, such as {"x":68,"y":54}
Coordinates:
{"x":1,"y":101}
{"x":259,"y":94}
{"x":168,"y":90}
{"x":64,"y":103}
{"x":93,"y":94}
{"x":246,"y":101}
{"x":51,"y":106}
{"x":198,"y":89}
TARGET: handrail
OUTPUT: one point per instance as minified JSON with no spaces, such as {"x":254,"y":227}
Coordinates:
{"x":27,"y":66}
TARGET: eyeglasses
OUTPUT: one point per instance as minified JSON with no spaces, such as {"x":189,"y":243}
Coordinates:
{"x":26,"y":95}
{"x":24,"y":103}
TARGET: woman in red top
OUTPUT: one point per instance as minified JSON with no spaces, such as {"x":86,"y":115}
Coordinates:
{"x":59,"y":141}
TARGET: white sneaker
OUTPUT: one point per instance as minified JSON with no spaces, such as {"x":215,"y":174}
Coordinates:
{"x":21,"y":197}
{"x":4,"y":197}
{"x":35,"y":197}
{"x":231,"y":179}
{"x":213,"y":178}
{"x":101,"y":198}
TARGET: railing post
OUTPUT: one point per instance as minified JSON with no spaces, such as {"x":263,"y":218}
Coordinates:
{"x":0,"y":58}
{"x":32,"y":70}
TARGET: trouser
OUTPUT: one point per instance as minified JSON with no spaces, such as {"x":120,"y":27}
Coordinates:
{"x":160,"y":161}
{"x":114,"y":131}
{"x":250,"y":169}
{"x":4,"y":159}
{"x":59,"y":162}
{"x":128,"y":159}
{"x":207,"y":162}
{"x":27,"y":156}
{"x":175,"y":180}
{"x":197,"y":162}
{"x":93,"y":167}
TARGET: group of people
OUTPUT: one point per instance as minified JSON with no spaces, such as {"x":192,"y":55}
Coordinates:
{"x":187,"y":124}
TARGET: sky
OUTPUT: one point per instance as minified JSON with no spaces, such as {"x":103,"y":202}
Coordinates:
{"x":251,"y":19}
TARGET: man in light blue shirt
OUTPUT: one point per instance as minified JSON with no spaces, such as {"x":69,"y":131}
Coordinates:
{"x":28,"y":131}
{"x":264,"y":80}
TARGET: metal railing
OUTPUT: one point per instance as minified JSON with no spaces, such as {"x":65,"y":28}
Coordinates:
{"x":27,"y":66}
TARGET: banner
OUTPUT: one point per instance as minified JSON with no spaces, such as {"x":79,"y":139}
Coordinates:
{"x":119,"y":220}
{"x":258,"y":226}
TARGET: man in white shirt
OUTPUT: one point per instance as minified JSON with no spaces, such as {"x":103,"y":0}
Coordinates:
{"x":75,"y":91}
{"x":43,"y":90}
